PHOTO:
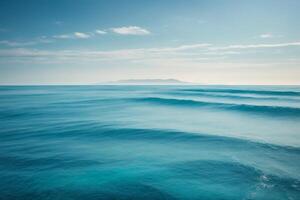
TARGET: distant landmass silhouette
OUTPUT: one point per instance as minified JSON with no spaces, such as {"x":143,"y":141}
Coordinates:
{"x":148,"y":82}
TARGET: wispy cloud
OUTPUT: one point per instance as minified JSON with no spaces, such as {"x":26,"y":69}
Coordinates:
{"x":190,"y":52}
{"x":81,"y":35}
{"x":75,"y":35}
{"x":72,"y":55}
{"x":181,"y":47}
{"x":255,"y":46}
{"x":63,"y":36}
{"x":130,"y":30}
{"x":222,"y":53}
{"x":16,"y":44}
{"x":126,"y":30}
{"x":13,"y":43}
{"x":120,"y":54}
{"x":266,"y":35}
{"x":100,"y":32}
{"x":269,"y":35}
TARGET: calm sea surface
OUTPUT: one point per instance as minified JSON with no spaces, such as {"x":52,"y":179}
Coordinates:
{"x":149,"y":142}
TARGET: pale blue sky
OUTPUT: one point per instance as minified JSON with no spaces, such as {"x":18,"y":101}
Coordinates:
{"x":210,"y":42}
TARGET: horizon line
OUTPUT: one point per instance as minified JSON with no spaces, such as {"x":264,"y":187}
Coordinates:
{"x":189,"y":84}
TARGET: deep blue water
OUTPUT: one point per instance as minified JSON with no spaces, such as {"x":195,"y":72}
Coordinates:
{"x":149,"y":142}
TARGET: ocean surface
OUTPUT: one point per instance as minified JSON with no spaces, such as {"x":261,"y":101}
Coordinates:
{"x":150,"y":142}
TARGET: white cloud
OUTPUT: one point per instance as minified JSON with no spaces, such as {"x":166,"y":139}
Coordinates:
{"x":81,"y":35}
{"x":100,"y":32}
{"x":181,"y":47}
{"x":269,"y":35}
{"x":254,"y":46}
{"x":266,"y":35}
{"x":12,"y":43}
{"x":130,"y":30}
{"x":75,"y":35}
{"x":15,"y":43}
{"x":64,"y":36}
{"x":121,"y":54}
{"x":222,"y":53}
{"x":191,"y":52}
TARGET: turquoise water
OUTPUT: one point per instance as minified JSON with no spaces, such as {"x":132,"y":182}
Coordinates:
{"x":149,"y":142}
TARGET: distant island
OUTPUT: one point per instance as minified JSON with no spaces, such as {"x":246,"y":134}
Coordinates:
{"x":147,"y":82}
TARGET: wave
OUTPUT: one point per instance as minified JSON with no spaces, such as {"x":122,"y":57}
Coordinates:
{"x":237,"y":91}
{"x":115,"y":162}
{"x":234,"y":96}
{"x":262,"y":109}
{"x":85,"y":143}
{"x":94,"y":131}
{"x":230,"y":173}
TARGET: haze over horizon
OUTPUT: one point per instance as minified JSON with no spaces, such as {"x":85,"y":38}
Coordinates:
{"x":206,"y":41}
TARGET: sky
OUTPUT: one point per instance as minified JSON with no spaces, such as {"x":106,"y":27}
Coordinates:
{"x":202,"y":41}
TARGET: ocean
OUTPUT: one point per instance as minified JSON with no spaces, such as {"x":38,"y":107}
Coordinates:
{"x":150,"y":142}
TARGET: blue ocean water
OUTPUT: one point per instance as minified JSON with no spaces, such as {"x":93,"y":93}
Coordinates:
{"x":150,"y":142}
